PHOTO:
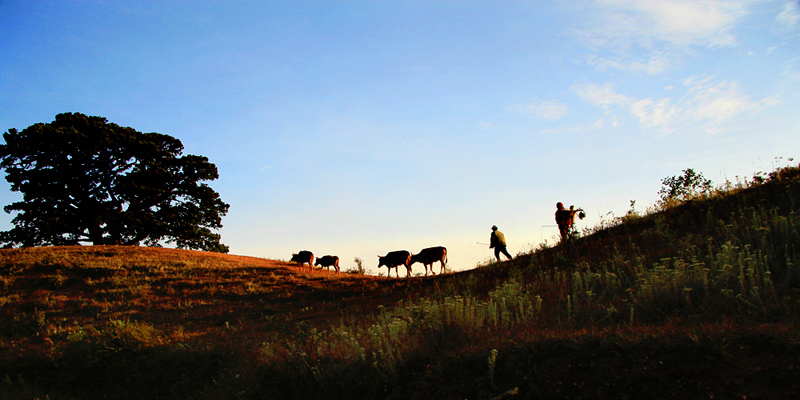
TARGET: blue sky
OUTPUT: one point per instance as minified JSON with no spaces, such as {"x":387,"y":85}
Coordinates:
{"x":355,"y":128}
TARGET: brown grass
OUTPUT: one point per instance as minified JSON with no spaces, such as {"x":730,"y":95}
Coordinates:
{"x":214,"y":306}
{"x":84,"y":286}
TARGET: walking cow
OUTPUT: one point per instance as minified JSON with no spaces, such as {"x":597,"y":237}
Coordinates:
{"x":429,"y":256}
{"x":328,"y":262}
{"x":394,"y":259}
{"x":303,"y":257}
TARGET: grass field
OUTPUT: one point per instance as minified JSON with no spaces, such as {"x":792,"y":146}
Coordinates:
{"x":692,"y":299}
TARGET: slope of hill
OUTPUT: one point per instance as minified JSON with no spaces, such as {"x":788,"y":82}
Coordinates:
{"x":80,"y":286}
{"x":699,"y":300}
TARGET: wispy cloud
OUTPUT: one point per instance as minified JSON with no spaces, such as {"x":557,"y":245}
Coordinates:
{"x":594,"y":126}
{"x":650,"y":64}
{"x":789,"y":21}
{"x":550,"y":109}
{"x":791,"y":71}
{"x":705,"y":104}
{"x":653,"y":36}
{"x":718,"y":102}
{"x":603,"y":95}
{"x":789,"y":18}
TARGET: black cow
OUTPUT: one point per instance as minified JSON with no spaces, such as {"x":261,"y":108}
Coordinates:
{"x":303,"y":257}
{"x":429,"y":256}
{"x":328,"y":262}
{"x":394,"y":259}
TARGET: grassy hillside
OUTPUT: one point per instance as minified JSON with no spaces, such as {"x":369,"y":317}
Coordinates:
{"x":692,"y":300}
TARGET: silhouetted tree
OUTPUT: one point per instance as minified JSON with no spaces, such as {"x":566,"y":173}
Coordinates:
{"x":683,"y":188}
{"x":84,"y":179}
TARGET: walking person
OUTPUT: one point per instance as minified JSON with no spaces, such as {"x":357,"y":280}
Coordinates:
{"x":563,"y":218}
{"x":566,"y":219}
{"x":498,"y":242}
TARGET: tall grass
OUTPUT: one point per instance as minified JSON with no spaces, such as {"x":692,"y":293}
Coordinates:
{"x":730,"y":256}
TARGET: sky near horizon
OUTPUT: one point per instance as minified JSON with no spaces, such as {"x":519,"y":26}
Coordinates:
{"x":355,"y":128}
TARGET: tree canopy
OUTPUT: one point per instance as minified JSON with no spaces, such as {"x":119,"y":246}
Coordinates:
{"x":85,"y":180}
{"x":685,"y":187}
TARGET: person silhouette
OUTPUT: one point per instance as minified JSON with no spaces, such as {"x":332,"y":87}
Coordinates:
{"x":566,"y":219}
{"x":498,"y":242}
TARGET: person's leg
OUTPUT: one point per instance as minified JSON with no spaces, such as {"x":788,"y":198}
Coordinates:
{"x":506,"y":253}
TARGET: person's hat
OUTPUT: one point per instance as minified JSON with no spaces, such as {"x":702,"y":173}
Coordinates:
{"x":494,"y":227}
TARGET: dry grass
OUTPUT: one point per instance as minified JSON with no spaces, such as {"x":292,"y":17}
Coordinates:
{"x":72,"y":287}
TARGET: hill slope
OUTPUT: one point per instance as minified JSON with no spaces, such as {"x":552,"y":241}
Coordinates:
{"x":83,"y":285}
{"x":695,"y":301}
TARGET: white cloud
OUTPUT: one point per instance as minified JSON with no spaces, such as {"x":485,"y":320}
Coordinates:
{"x":595,"y":126}
{"x":655,"y":113}
{"x":705,"y":105}
{"x":652,"y":64}
{"x":791,"y":70}
{"x":603,"y":95}
{"x":715,"y":102}
{"x":789,"y":18}
{"x":678,"y":22}
{"x":654,"y":36}
{"x":551,"y":109}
